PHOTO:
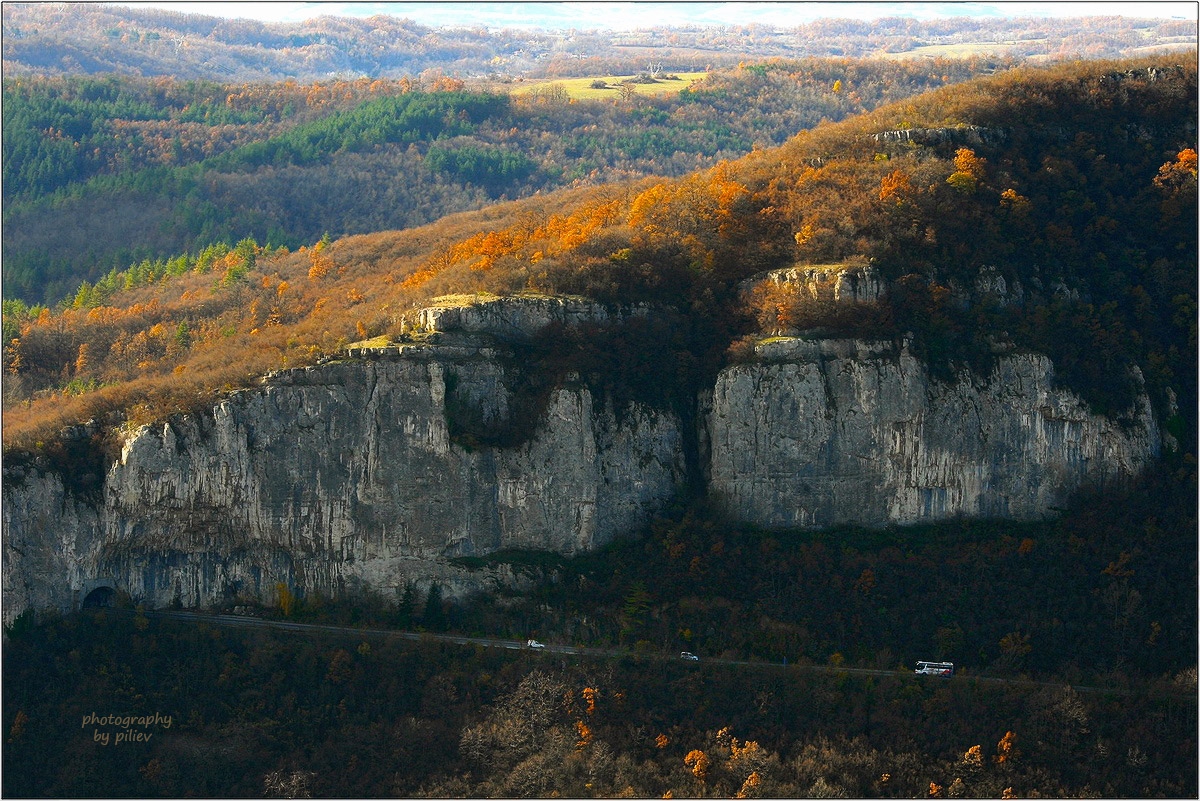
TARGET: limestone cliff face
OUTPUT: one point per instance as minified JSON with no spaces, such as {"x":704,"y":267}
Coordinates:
{"x":820,"y":433}
{"x":336,"y":474}
{"x":51,"y":538}
{"x":353,"y":473}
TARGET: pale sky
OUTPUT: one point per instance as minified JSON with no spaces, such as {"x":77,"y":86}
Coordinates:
{"x":635,"y":15}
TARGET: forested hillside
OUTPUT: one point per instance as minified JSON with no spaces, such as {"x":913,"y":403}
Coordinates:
{"x":286,"y":715}
{"x":104,"y":172}
{"x":1043,"y":209}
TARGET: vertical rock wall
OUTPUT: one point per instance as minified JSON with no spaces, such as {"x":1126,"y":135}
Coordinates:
{"x":821,"y":433}
{"x":338,"y":474}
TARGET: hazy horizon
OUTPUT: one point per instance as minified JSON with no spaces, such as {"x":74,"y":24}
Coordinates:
{"x":618,"y":16}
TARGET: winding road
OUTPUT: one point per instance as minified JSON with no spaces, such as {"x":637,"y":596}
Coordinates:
{"x":248,"y":622}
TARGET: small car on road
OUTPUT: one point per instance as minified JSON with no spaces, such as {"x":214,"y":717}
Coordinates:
{"x":689,"y":657}
{"x":534,"y":644}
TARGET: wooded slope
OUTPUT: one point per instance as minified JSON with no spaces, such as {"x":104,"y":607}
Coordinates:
{"x":1076,"y":185}
{"x":103,"y":172}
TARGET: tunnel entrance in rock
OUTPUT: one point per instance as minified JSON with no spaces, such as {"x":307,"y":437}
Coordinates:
{"x":101,"y":597}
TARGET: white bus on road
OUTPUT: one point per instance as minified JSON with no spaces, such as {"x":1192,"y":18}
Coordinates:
{"x":935,"y":669}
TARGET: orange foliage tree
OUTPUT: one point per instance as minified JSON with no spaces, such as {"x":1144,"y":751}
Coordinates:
{"x":1006,"y":749}
{"x":698,"y":761}
{"x":968,"y":170}
{"x":894,"y":185}
{"x":700,"y":212}
{"x":1178,"y":173}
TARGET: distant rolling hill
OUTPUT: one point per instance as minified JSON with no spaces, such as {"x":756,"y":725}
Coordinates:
{"x":55,"y":39}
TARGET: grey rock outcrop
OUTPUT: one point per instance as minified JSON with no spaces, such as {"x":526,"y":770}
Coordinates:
{"x":516,"y":317}
{"x":844,"y":283}
{"x":821,"y":433}
{"x":334,"y":475}
{"x":51,"y":541}
{"x":958,"y":134}
{"x":991,"y":284}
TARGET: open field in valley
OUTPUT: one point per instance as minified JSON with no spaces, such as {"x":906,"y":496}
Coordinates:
{"x":583,"y":89}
